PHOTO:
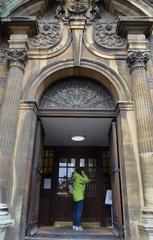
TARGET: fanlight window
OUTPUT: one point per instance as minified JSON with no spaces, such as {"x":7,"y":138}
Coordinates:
{"x":79,"y":94}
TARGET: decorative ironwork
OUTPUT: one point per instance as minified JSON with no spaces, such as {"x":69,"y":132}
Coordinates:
{"x":105,"y":35}
{"x":49,"y":34}
{"x":76,"y":93}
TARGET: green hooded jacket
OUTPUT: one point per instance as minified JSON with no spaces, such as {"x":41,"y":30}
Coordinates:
{"x":79,"y":182}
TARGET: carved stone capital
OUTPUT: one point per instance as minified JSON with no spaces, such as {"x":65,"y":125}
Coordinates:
{"x":137,"y":59}
{"x":16,"y":55}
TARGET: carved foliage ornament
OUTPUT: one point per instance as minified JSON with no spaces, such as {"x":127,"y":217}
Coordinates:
{"x":105,"y":35}
{"x":49,"y":34}
{"x":137,"y":59}
{"x":77,"y":94}
{"x":16,"y":55}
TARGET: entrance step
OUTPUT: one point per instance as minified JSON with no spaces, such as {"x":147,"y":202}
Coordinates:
{"x":69,"y":234}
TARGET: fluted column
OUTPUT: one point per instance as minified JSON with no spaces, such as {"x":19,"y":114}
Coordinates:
{"x":137,"y":61}
{"x":9,"y":113}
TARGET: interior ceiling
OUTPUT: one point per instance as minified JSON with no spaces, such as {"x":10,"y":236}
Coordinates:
{"x":58,"y":131}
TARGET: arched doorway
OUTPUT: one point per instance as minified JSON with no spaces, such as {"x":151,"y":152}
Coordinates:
{"x":75,"y":106}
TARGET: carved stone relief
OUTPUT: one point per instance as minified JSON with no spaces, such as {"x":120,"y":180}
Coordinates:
{"x":49,"y":35}
{"x":105,"y":35}
{"x":77,"y":94}
{"x":86,"y":8}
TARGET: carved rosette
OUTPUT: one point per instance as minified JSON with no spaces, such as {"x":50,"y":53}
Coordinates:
{"x":137,"y":59}
{"x":16,"y":55}
{"x":49,"y":35}
{"x":105,"y":35}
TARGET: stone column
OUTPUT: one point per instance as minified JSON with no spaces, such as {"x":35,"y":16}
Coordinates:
{"x":137,"y":60}
{"x":9,"y":113}
{"x":144,"y":116}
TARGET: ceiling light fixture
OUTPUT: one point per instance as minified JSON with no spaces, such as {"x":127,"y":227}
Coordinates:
{"x":78,"y":138}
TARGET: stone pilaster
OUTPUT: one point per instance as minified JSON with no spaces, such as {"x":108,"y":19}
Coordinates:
{"x":9,"y":112}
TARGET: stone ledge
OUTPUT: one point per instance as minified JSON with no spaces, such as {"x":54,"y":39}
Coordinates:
{"x":134,"y":25}
{"x":20,"y":25}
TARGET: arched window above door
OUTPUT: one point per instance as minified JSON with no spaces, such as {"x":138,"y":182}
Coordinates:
{"x":77,"y":93}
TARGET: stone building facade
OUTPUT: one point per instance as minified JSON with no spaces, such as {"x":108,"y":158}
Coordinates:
{"x":62,"y":62}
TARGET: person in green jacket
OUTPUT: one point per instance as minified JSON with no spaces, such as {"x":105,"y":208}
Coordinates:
{"x":79,"y":179}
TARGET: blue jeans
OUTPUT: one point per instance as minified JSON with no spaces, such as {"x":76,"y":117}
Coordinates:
{"x":77,"y":212}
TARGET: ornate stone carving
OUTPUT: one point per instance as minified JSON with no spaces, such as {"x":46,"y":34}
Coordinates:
{"x":137,"y":59}
{"x":77,"y":6}
{"x":105,"y":35}
{"x":49,"y":34}
{"x":76,"y":93}
{"x":16,"y":55}
{"x":86,"y":8}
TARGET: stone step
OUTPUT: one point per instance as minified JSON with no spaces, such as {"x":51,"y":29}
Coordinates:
{"x":69,"y":234}
{"x":68,"y":237}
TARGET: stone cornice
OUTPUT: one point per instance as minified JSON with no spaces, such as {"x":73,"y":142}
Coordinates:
{"x":20,"y":25}
{"x":135,"y":25}
{"x":137,"y":59}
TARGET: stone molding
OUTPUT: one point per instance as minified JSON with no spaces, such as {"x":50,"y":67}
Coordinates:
{"x":16,"y":55}
{"x":124,"y":106}
{"x":27,"y":105}
{"x":138,"y":59}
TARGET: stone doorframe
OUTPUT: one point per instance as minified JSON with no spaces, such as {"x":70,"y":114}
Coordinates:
{"x":127,"y":143}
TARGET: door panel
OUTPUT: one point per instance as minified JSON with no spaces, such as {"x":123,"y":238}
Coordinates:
{"x":56,"y":203}
{"x":68,"y":162}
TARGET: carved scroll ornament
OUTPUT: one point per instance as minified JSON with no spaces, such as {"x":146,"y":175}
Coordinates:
{"x":137,"y":59}
{"x":105,"y":35}
{"x":78,"y":94}
{"x":49,"y":35}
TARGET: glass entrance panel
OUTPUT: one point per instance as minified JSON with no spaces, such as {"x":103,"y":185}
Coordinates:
{"x":66,"y":168}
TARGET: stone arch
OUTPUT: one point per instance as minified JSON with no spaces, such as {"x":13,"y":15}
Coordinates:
{"x":93,"y":69}
{"x":40,"y":7}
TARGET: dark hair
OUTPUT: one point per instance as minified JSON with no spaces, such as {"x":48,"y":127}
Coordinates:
{"x":79,"y":170}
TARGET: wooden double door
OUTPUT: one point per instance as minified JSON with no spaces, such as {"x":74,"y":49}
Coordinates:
{"x":56,"y":204}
